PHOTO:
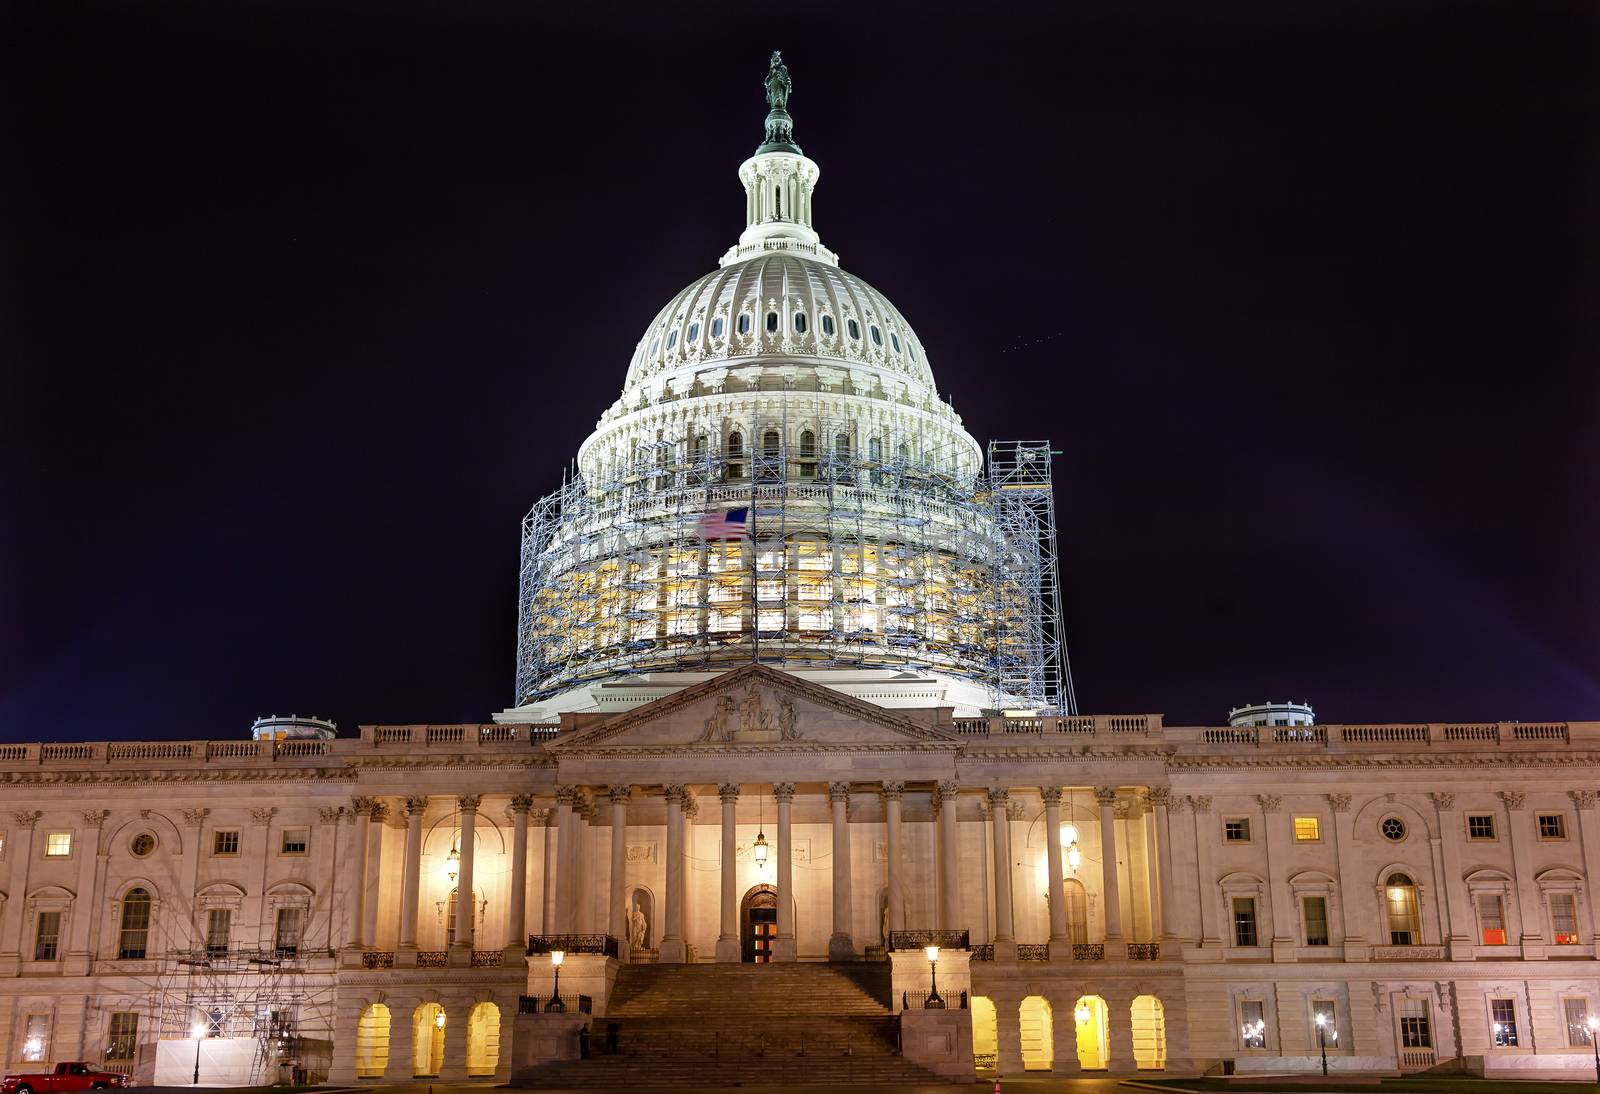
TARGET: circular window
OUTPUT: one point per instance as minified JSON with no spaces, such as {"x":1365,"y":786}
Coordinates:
{"x":1393,"y":829}
{"x":142,"y":844}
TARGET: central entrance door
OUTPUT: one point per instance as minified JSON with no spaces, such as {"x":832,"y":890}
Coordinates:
{"x":759,"y":924}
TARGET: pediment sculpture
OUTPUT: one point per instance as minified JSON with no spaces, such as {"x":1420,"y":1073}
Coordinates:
{"x":748,"y":719}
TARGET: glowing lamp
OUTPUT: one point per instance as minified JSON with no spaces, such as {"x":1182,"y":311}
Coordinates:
{"x":198,"y":1031}
{"x":1074,"y":857}
{"x":556,"y":957}
{"x":555,"y":1005}
{"x":759,"y":850}
{"x":438,"y":1019}
{"x":1082,"y":1014}
{"x":1322,"y":1019}
{"x":932,"y":952}
{"x":933,"y":1001}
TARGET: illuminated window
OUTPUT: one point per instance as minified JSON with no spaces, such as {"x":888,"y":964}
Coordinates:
{"x":1480,"y":826}
{"x":1552,"y":826}
{"x":1564,"y":918}
{"x":1244,"y":921}
{"x":1491,"y":919}
{"x":47,"y":939}
{"x":225,"y":841}
{"x":1315,"y":910}
{"x":134,"y":937}
{"x":1416,"y":1029}
{"x":294,"y":841}
{"x":1252,"y":1023}
{"x":1325,"y":1015}
{"x":1307,"y":829}
{"x":1400,"y":901}
{"x":1393,"y":829}
{"x":36,"y":1037}
{"x":58,"y":845}
{"x":1236,"y":829}
{"x":122,"y":1036}
{"x":1503,"y":1022}
{"x":1577,"y":1015}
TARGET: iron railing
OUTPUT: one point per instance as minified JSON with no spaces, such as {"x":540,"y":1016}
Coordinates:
{"x":433,"y":959}
{"x":1088,"y":951}
{"x":983,"y":952}
{"x":378,"y":959}
{"x":488,"y":959}
{"x":1144,"y":951}
{"x":537,"y":1004}
{"x":915,"y":1000}
{"x":572,"y":943}
{"x":916,"y":940}
{"x":1033,"y":951}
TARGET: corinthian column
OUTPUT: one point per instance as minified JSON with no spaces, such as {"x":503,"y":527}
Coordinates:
{"x":673,"y":950}
{"x":1109,"y":886}
{"x":892,"y":792}
{"x":617,"y":919}
{"x":565,"y":837}
{"x":950,"y":891}
{"x":411,"y":876}
{"x":517,"y":929}
{"x":1060,"y":944}
{"x":728,"y":949}
{"x":1005,"y":941}
{"x":466,"y":899}
{"x":841,"y":947}
{"x":783,"y":946}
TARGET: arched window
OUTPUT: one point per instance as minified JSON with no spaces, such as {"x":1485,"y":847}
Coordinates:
{"x":744,"y":323}
{"x":894,"y":340}
{"x":694,"y":331}
{"x":1400,"y":900}
{"x":735,"y":443}
{"x":772,"y":322}
{"x":1038,"y":1039}
{"x":877,"y":335}
{"x":655,"y":346}
{"x":716,"y":327}
{"x":372,"y":1042}
{"x":799,"y":322}
{"x":483,"y":1040}
{"x":769,"y":443}
{"x":853,"y":329}
{"x":841,"y":446}
{"x":672,"y":339}
{"x":777,"y":201}
{"x":699,"y":450}
{"x":808,"y":444}
{"x":134,"y":937}
{"x":827,"y":325}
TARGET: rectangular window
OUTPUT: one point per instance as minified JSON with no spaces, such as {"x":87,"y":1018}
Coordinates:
{"x":294,"y":841}
{"x":1552,"y":826}
{"x":1324,"y":1016}
{"x":58,"y":845}
{"x":286,"y":939}
{"x":219,"y":926}
{"x":1564,"y":918}
{"x":1416,"y":1031}
{"x":1503,"y":1022}
{"x":122,"y":1038}
{"x":47,"y":941}
{"x":36,"y":1038}
{"x":1315,"y":910}
{"x":1244,"y":921}
{"x":1252,"y":1023}
{"x":1307,"y":829}
{"x":1577,"y":1013}
{"x":1236,"y":829}
{"x":1480,"y":826}
{"x":1491,"y":919}
{"x":225,"y":841}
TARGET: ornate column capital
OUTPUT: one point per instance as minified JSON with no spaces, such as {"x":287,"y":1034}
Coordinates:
{"x":542,"y":817}
{"x":26,"y":818}
{"x":1156,"y":797}
{"x":416,"y":804}
{"x":194,"y":818}
{"x":1513,"y":799}
{"x":999,"y":796}
{"x":1123,"y":808}
{"x":894,"y":791}
{"x":619,"y":793}
{"x":728,"y":793}
{"x":1200,"y":802}
{"x":331,"y":815}
{"x":1050,"y":794}
{"x":362,"y":804}
{"x":469,"y":802}
{"x":521,"y":803}
{"x":1105,"y":795}
{"x":1582,"y":799}
{"x":675,"y":793}
{"x":380,"y":811}
{"x":1178,"y":804}
{"x":948,"y":791}
{"x":566,"y":795}
{"x":1442,"y":801}
{"x":1269,"y":802}
{"x":1015,"y":808}
{"x":1339,"y":803}
{"x":783,"y":792}
{"x":94,"y":818}
{"x":265,"y":814}
{"x":839,"y":792}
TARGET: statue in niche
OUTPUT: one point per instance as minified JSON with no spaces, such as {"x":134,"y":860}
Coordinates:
{"x":786,"y":729}
{"x":637,"y":926}
{"x":719,"y":727}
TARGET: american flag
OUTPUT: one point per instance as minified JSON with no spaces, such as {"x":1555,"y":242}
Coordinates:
{"x":732,"y":524}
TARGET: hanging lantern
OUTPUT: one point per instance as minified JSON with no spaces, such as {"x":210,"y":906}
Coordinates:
{"x":1074,"y":857}
{"x":759,"y":849}
{"x":453,"y":862}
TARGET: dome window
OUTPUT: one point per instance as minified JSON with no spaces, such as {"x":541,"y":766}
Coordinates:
{"x":911,"y":351}
{"x":772,"y":322}
{"x":694,"y":332}
{"x":799,"y":322}
{"x":655,"y":346}
{"x":672,"y":339}
{"x":716,"y":327}
{"x":827,"y":325}
{"x":877,"y":335}
{"x":744,"y":323}
{"x":853,"y":328}
{"x":894,"y":340}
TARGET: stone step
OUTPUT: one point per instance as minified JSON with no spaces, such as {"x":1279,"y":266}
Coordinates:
{"x":624,"y":1072}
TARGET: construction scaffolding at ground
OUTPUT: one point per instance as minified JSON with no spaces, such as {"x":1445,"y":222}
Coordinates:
{"x":861,"y":551}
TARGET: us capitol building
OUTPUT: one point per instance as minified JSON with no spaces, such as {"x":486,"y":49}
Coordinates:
{"x":792,"y":707}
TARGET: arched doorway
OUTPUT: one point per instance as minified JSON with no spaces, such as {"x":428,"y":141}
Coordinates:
{"x":1094,"y":1033}
{"x":372,"y":1042}
{"x":427,"y":1033}
{"x":1149,"y":1034}
{"x":1038,"y":1038}
{"x":985,"y":1034}
{"x":758,"y":924}
{"x":483,"y":1040}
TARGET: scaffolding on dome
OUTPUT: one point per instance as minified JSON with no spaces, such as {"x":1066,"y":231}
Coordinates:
{"x":864,"y":551}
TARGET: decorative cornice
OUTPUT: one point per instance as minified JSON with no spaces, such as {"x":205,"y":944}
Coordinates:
{"x":206,"y":776}
{"x":1339,"y":803}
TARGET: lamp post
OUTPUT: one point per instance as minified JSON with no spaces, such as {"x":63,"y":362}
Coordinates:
{"x":556,"y":1006}
{"x":1322,"y":1041}
{"x":933,"y":1002}
{"x":1593,"y":1023}
{"x":199,"y":1032}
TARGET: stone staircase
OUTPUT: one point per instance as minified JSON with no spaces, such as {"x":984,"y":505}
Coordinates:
{"x":750,"y":1025}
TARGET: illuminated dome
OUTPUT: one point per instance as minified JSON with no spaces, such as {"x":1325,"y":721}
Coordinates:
{"x":779,"y":481}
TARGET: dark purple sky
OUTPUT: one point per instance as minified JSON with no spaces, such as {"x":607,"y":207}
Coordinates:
{"x":305,"y":304}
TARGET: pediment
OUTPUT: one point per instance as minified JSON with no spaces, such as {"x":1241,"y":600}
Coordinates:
{"x":755,"y":706}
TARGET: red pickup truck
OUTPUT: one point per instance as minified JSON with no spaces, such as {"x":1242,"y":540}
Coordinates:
{"x":65,"y":1079}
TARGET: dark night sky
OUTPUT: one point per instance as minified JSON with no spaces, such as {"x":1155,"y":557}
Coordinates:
{"x":304,"y":306}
